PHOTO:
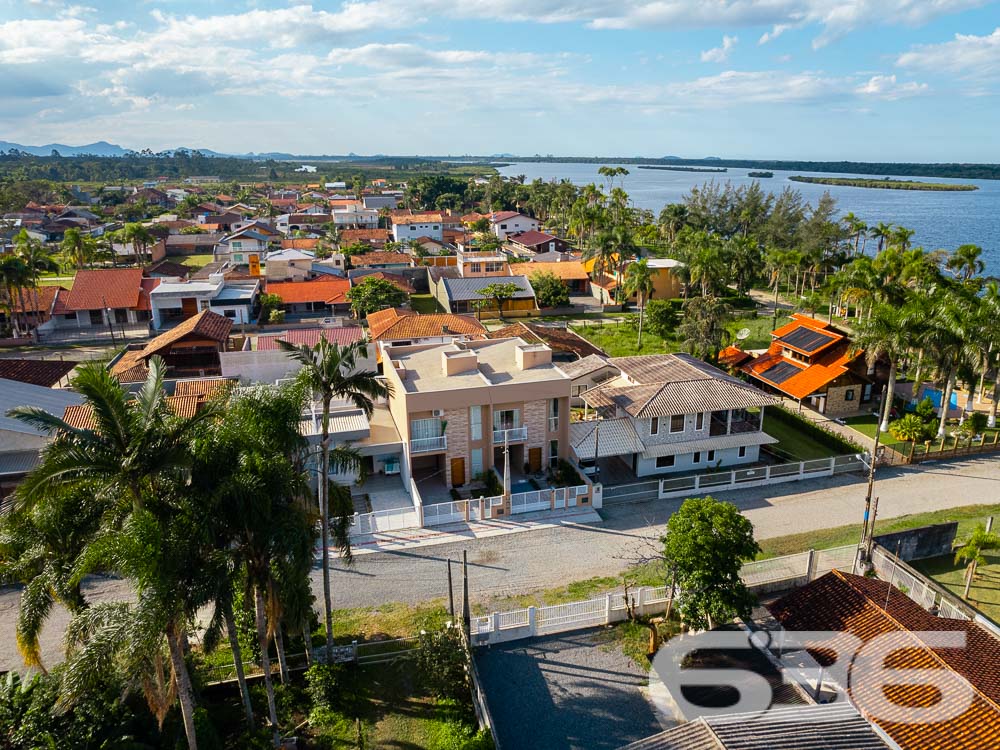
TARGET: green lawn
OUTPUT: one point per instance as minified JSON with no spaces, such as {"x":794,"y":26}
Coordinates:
{"x":868,"y":424}
{"x":794,"y":442}
{"x":63,"y":281}
{"x":194,"y":261}
{"x":620,"y":340}
{"x":760,"y":331}
{"x":985,"y":591}
{"x":424,"y":304}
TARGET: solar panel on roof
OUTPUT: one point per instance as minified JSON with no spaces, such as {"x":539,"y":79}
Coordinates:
{"x":806,"y":339}
{"x":780,"y":372}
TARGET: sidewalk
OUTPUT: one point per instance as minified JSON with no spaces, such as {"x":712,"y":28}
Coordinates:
{"x":393,"y":541}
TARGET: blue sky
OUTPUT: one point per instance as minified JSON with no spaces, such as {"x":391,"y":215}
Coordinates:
{"x":879,"y":80}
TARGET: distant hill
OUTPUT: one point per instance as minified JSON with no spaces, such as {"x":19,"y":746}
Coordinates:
{"x":101,"y":148}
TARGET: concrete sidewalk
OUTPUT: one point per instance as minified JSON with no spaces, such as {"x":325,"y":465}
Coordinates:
{"x":393,"y":541}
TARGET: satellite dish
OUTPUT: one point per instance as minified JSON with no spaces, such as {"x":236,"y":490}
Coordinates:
{"x":744,"y":333}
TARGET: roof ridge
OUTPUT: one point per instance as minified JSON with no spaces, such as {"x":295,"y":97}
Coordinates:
{"x":902,"y":628}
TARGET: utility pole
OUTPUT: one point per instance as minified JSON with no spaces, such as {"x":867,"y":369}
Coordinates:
{"x":466,"y":613}
{"x":451,"y":593}
{"x":871,"y":512}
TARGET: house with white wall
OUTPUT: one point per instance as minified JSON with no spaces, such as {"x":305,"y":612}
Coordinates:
{"x":668,"y":413}
{"x":406,"y":227}
{"x":503,"y":223}
{"x":175,"y":300}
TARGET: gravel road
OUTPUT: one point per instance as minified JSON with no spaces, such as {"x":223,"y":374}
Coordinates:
{"x":518,"y":563}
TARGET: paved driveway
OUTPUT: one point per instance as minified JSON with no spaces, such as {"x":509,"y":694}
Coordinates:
{"x":564,"y":692}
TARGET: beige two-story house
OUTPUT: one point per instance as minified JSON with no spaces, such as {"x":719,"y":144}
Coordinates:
{"x":669,"y":413}
{"x":456,"y":405}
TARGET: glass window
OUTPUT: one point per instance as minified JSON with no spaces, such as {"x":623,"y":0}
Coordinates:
{"x":476,"y":422}
{"x":664,"y":462}
{"x":677,"y":423}
{"x":743,"y":451}
{"x":654,"y":426}
{"x":711,"y":456}
{"x":507,"y":419}
{"x":553,"y":453}
{"x":425,"y":428}
{"x":849,"y":394}
{"x":697,"y":458}
{"x":699,"y":421}
{"x":477,"y":461}
{"x":229,"y":313}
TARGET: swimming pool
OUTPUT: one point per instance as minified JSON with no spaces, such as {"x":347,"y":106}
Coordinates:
{"x":517,"y":488}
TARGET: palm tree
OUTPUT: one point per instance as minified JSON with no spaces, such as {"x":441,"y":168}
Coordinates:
{"x":702,"y":252}
{"x":78,"y":248}
{"x":331,"y":371}
{"x":703,"y":328}
{"x":857,"y":228}
{"x":622,"y":244}
{"x":886,"y":333}
{"x":15,"y":276}
{"x":948,"y":336}
{"x":639,"y":281}
{"x":141,"y":239}
{"x":966,"y":262}
{"x":602,"y":253}
{"x":971,"y":553}
{"x":901,"y":237}
{"x":881,"y":232}
{"x":37,"y":261}
{"x":672,"y":219}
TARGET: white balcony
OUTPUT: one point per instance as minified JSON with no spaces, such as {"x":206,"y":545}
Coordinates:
{"x":429,"y":445}
{"x":514,"y":435}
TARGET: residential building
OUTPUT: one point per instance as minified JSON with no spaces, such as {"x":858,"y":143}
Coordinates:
{"x":672,"y":412}
{"x":814,"y":362}
{"x":103,"y":296}
{"x":21,"y":444}
{"x":37,"y":305}
{"x":378,"y":202}
{"x":666,"y":281}
{"x":324,"y":296}
{"x":504,"y":223}
{"x":288,"y":223}
{"x":289,"y":265}
{"x":168,"y":268}
{"x":398,"y":280}
{"x":252,"y":240}
{"x":355,"y":218}
{"x":399,"y":327}
{"x":473,"y":263}
{"x":571,"y":273}
{"x":193,"y":244}
{"x":177,"y":299}
{"x":587,"y":373}
{"x":47,"y":373}
{"x":462,"y":295}
{"x":457,"y":405}
{"x":566,"y":345}
{"x":374,"y":238}
{"x":409,"y":226}
{"x":533,"y":242}
{"x":190,"y":349}
{"x":962,"y":709}
{"x":267,"y":362}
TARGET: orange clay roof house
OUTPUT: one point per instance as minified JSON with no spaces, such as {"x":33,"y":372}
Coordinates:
{"x":190,"y":348}
{"x":812,"y":361}
{"x":960,"y":712}
{"x":325,"y":291}
{"x":394,"y":324}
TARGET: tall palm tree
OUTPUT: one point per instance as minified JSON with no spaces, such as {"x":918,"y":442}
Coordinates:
{"x":78,"y":248}
{"x":966,"y":262}
{"x":901,"y":238}
{"x":624,"y":248}
{"x":856,"y":228}
{"x":703,"y":327}
{"x":639,"y":281}
{"x":141,"y":239}
{"x":15,"y":276}
{"x":37,"y":260}
{"x":602,"y":253}
{"x":887,"y":333}
{"x":881,"y":232}
{"x":949,"y":336}
{"x":332,"y":371}
{"x":971,"y":553}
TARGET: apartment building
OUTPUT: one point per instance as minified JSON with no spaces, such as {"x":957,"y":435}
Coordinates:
{"x":455,"y":405}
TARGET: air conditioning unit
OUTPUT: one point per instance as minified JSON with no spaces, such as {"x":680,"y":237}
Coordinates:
{"x":438,"y":413}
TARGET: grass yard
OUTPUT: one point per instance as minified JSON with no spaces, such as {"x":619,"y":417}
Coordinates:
{"x":194,"y":261}
{"x":425,"y":304}
{"x":985,"y":591}
{"x":868,"y":424}
{"x":63,"y":281}
{"x":794,"y":442}
{"x":620,"y":340}
{"x":760,"y":331}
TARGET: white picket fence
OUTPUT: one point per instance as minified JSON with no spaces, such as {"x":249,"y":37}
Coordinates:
{"x":766,"y":575}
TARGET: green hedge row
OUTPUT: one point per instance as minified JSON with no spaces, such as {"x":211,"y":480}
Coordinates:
{"x":826,"y":437}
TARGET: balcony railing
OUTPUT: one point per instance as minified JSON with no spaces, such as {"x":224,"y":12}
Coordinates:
{"x":514,"y":435}
{"x":737,"y":426}
{"x":429,"y":445}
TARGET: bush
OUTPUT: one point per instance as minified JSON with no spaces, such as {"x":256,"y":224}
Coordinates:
{"x":549,"y":290}
{"x":565,"y":475}
{"x":910,"y":428}
{"x":925,"y":410}
{"x":276,"y":316}
{"x":661,"y":317}
{"x":457,"y":735}
{"x":822,"y":435}
{"x":973,"y":425}
{"x":441,"y":662}
{"x":324,"y":683}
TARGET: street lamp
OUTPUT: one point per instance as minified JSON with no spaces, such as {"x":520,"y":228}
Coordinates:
{"x":107,"y":313}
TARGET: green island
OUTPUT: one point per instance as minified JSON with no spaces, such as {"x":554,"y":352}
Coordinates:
{"x":683,"y":169}
{"x":760,"y":174}
{"x":886,"y":183}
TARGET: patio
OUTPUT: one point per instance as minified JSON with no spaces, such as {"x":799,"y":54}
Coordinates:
{"x":384,"y":493}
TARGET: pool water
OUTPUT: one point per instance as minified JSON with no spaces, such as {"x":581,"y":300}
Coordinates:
{"x":518,"y":487}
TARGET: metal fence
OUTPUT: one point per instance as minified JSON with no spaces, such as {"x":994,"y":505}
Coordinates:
{"x":918,"y":587}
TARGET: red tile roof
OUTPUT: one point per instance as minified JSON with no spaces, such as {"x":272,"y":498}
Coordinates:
{"x":328,"y":291}
{"x":310,"y":337}
{"x":531,"y":238}
{"x":46,"y":299}
{"x":380,"y":259}
{"x":112,"y":287}
{"x":401,"y":282}
{"x":397,"y":325}
{"x":869,"y":608}
{"x":46,"y":373}
{"x":733,"y":356}
{"x":300,"y":243}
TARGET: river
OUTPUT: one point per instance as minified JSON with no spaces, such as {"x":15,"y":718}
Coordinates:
{"x":939,"y":219}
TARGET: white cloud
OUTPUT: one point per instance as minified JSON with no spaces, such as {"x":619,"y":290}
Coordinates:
{"x":720,"y":54}
{"x":887,"y":87}
{"x":966,"y":55}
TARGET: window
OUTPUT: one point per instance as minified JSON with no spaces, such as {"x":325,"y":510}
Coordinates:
{"x":654,"y":426}
{"x":121,"y":316}
{"x":476,"y":422}
{"x":503,"y":226}
{"x":553,"y":453}
{"x":507,"y":419}
{"x":237,"y":258}
{"x":711,"y":456}
{"x":677,"y":423}
{"x":664,"y":462}
{"x":413,"y":228}
{"x":494,"y":267}
{"x":553,"y":415}
{"x":743,"y":451}
{"x":237,"y":245}
{"x":699,"y":421}
{"x":435,"y":226}
{"x":229,"y":313}
{"x":476,"y":462}
{"x":96,"y":317}
{"x":849,"y":394}
{"x":476,"y":267}
{"x":425,"y":428}
{"x":696,"y":459}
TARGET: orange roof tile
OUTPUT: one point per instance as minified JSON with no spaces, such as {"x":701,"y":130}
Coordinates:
{"x":401,"y":282}
{"x":205,"y":324}
{"x":81,"y":416}
{"x":379,"y":259}
{"x":46,"y":299}
{"x":811,"y":378}
{"x":567,"y":270}
{"x":300,"y":243}
{"x":869,"y":608}
{"x":116,"y":288}
{"x":328,"y":291}
{"x":733,"y":356}
{"x":203,"y":387}
{"x":407,"y":325}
